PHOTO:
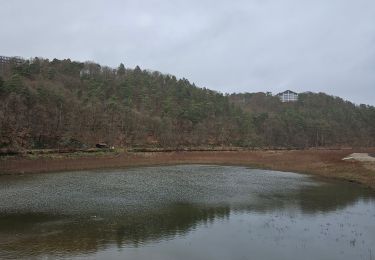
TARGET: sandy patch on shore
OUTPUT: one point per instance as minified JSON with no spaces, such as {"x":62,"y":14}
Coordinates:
{"x":361,"y":157}
{"x":366,"y":159}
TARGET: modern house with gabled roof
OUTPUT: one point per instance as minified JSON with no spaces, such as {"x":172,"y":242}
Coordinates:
{"x":288,"y":96}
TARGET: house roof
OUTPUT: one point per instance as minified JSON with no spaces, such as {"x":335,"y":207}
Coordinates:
{"x":287,"y":91}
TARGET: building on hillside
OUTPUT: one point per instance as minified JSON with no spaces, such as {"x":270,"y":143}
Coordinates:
{"x":84,"y":72}
{"x":288,"y":96}
{"x":6,"y":61}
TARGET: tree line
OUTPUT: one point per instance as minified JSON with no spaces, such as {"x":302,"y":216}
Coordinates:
{"x":69,"y":104}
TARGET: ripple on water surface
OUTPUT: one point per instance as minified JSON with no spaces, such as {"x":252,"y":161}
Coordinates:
{"x":184,"y":212}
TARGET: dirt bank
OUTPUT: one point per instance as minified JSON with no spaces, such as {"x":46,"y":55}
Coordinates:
{"x":327,"y":163}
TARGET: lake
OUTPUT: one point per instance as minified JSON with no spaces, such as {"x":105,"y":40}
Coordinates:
{"x":184,"y":212}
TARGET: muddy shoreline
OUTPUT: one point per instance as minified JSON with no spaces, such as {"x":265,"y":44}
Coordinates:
{"x":324,"y":163}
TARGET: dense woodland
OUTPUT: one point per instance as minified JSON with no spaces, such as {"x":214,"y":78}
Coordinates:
{"x":67,"y":104}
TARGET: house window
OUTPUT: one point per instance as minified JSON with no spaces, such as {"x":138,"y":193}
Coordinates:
{"x":288,"y":96}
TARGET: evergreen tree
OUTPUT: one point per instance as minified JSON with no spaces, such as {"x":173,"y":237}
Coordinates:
{"x":121,"y":70}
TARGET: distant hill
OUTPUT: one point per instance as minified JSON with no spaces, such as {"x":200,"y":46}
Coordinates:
{"x":63,"y":103}
{"x":316,"y":119}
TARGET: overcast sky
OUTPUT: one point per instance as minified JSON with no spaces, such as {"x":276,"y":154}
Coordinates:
{"x":229,"y":46}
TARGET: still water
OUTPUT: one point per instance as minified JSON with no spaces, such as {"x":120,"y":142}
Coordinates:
{"x":184,"y":212}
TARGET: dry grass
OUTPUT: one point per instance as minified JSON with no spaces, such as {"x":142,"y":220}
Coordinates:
{"x":327,"y":163}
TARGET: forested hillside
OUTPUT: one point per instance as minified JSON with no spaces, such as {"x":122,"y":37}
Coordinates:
{"x":65,"y":104}
{"x":314,"y":120}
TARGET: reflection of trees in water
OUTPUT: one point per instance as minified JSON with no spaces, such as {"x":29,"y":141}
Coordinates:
{"x":309,"y":199}
{"x":36,"y":234}
{"x":44,"y":234}
{"x":177,"y":219}
{"x":331,"y":196}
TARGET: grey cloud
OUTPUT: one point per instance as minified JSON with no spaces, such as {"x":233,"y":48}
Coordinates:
{"x":230,"y":46}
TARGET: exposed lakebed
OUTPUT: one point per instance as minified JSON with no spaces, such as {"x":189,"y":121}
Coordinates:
{"x":184,"y":212}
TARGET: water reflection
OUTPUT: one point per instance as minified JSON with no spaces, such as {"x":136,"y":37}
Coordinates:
{"x":70,"y":214}
{"x":332,"y":196}
{"x":25,"y":234}
{"x":328,"y":196}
